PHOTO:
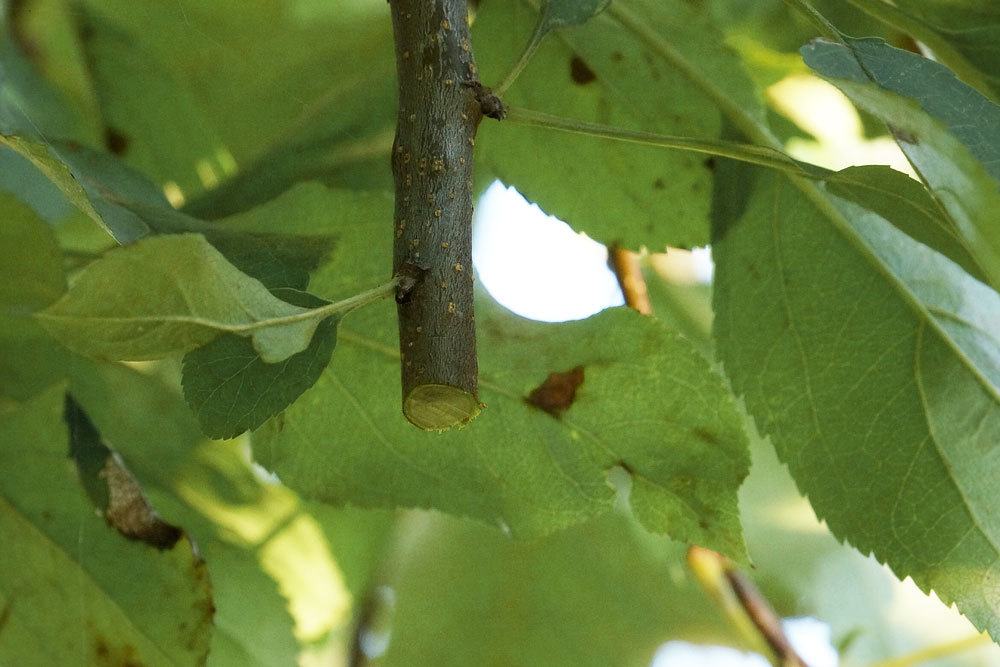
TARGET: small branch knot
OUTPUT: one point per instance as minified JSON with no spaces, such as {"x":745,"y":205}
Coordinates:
{"x":490,"y":105}
{"x":409,"y":276}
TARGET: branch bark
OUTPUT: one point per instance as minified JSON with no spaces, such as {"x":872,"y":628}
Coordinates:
{"x":440,"y":105}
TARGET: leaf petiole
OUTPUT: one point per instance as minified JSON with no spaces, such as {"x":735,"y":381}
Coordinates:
{"x":759,"y":155}
{"x":821,"y":23}
{"x":343,"y":306}
{"x":529,"y":50}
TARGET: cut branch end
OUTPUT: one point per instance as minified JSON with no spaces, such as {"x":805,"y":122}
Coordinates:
{"x":437,"y":407}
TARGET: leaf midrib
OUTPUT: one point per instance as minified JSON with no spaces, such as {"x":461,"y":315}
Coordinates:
{"x":970,"y":507}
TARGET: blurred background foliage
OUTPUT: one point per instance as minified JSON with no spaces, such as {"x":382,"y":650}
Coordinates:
{"x":225,"y":104}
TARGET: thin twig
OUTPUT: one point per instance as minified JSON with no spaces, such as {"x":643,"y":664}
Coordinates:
{"x":625,"y":265}
{"x":744,"y":605}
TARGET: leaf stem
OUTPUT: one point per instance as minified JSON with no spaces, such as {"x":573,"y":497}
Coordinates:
{"x":529,"y":50}
{"x":936,"y":651}
{"x":321,"y":313}
{"x":763,"y":156}
{"x":822,"y":24}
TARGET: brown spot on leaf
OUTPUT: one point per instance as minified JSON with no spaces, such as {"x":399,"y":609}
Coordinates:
{"x":5,"y":613}
{"x":558,"y":392}
{"x":115,"y":141}
{"x":114,"y":656}
{"x":709,"y":163}
{"x":580,"y":72}
{"x":904,"y":136}
{"x":616,"y":56}
{"x":705,"y":436}
{"x":658,"y":184}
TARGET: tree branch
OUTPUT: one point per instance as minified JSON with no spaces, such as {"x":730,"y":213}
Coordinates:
{"x":440,"y":105}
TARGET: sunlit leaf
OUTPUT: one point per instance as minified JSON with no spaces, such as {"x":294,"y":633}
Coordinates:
{"x":171,"y":294}
{"x":598,"y":594}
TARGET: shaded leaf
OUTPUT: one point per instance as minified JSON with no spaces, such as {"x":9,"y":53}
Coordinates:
{"x":232,"y":390}
{"x":157,"y":124}
{"x":77,"y":591}
{"x":31,"y":275}
{"x":949,"y":131}
{"x":111,"y":486}
{"x":962,"y":35}
{"x":969,"y":116}
{"x":906,"y":204}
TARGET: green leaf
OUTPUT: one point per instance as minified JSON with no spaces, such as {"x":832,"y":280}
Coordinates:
{"x":648,"y":404}
{"x":48,"y":36}
{"x":906,"y":204}
{"x":613,"y":592}
{"x":962,"y":35}
{"x":169,"y":294}
{"x":231,"y":389}
{"x":31,"y":275}
{"x":871,"y":362}
{"x":559,"y":13}
{"x":256,"y":536}
{"x":74,"y":590}
{"x":154,"y":121}
{"x":959,"y":161}
{"x":965,"y":112}
{"x":250,"y":74}
{"x":56,"y":171}
{"x":29,"y":104}
{"x":599,"y":72}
